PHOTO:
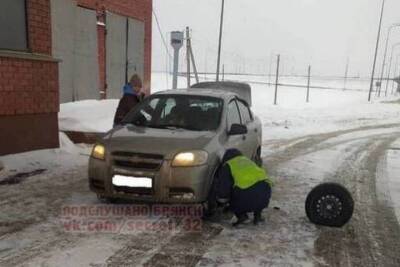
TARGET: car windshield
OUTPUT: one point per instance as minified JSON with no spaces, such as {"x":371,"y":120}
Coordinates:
{"x":195,"y":113}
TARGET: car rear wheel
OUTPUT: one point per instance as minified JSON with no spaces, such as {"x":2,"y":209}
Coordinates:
{"x":329,"y":204}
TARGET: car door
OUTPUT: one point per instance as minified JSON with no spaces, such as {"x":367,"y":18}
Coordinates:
{"x":235,"y":141}
{"x":252,"y":133}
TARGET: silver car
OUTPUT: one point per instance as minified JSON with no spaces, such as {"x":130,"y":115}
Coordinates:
{"x":170,"y":146}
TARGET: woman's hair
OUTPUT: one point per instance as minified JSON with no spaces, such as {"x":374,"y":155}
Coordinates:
{"x":135,"y":81}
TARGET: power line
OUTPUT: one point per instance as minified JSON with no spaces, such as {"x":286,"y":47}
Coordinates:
{"x":162,"y":36}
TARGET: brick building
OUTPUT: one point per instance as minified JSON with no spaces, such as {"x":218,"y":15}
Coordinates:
{"x":65,"y":50}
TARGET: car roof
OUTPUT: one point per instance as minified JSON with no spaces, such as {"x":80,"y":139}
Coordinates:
{"x":199,"y":92}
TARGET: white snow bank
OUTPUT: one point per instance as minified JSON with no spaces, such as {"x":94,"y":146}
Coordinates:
{"x":66,"y":157}
{"x":87,"y":115}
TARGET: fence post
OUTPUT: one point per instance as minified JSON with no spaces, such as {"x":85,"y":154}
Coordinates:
{"x":308,"y":84}
{"x":277,"y":80}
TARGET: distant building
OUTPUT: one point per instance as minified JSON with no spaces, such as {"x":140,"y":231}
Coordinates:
{"x":54,"y":51}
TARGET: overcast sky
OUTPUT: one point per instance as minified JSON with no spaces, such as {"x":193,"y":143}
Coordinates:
{"x":323,"y":33}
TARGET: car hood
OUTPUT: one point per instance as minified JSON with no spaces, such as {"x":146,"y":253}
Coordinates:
{"x":156,"y":141}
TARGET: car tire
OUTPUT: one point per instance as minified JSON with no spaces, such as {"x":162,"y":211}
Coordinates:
{"x":210,"y":206}
{"x":329,"y":204}
{"x":108,"y":200}
{"x":257,"y":158}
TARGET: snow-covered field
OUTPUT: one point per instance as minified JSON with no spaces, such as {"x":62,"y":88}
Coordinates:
{"x":338,"y":136}
{"x":328,"y":110}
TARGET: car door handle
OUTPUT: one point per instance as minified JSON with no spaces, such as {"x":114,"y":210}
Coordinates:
{"x":256,"y":130}
{"x":243,"y":137}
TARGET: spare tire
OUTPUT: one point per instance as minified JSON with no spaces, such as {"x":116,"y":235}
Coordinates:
{"x":329,"y":204}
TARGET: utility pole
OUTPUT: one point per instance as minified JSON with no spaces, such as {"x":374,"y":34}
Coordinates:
{"x":196,"y":74}
{"x":270,"y":68}
{"x":371,"y":87}
{"x":220,"y":38}
{"x":346,"y":74}
{"x":395,"y":72}
{"x":188,"y":56}
{"x":223,"y":72}
{"x":277,"y":80}
{"x":205,"y":64}
{"x":390,"y":68}
{"x":308,"y":84}
{"x":386,"y":50}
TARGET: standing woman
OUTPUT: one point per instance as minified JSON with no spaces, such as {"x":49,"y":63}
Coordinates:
{"x":132,"y":96}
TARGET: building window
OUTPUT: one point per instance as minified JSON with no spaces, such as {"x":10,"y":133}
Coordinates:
{"x":13,"y":32}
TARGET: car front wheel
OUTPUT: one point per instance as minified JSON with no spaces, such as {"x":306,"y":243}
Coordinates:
{"x":257,"y":158}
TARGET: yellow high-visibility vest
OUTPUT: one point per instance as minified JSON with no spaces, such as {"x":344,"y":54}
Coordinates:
{"x":246,"y":173}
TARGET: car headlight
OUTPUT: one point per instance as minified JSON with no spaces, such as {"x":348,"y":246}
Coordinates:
{"x":190,"y":159}
{"x":99,"y":152}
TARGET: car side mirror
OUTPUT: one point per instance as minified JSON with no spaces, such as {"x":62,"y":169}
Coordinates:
{"x":237,"y":129}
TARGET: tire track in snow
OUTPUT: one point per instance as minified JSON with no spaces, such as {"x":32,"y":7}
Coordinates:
{"x":372,"y":238}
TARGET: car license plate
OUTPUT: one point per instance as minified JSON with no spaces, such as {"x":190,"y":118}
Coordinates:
{"x":130,"y":181}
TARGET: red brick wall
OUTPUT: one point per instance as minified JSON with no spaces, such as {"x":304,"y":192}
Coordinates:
{"x":137,"y":9}
{"x":29,"y":88}
{"x":39,"y":26}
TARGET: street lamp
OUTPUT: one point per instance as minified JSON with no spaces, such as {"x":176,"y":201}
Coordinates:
{"x":390,"y":67}
{"x":376,"y":51}
{"x":386,"y":49}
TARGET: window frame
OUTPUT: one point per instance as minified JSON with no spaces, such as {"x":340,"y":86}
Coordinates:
{"x":27,"y":36}
{"x":227,"y":116}
{"x":247,"y":110}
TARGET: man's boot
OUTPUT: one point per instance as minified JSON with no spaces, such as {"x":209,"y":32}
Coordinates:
{"x":258,"y":218}
{"x":241,"y":219}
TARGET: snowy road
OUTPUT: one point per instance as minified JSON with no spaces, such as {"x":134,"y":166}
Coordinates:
{"x":31,"y":233}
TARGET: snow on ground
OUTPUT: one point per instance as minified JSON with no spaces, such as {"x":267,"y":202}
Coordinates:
{"x":393,"y":173}
{"x":66,"y":157}
{"x":286,"y":239}
{"x":328,"y":110}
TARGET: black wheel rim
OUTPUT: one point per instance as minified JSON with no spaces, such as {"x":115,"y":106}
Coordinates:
{"x":329,"y":207}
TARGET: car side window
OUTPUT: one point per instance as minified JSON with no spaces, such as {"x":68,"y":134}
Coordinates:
{"x":233,"y":114}
{"x":245,"y":112}
{"x":169,"y":105}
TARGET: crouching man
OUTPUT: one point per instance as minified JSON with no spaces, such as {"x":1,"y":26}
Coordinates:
{"x":244,"y":185}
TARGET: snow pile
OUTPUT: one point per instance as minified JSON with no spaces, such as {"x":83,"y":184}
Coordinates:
{"x":66,"y":157}
{"x":87,"y":115}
